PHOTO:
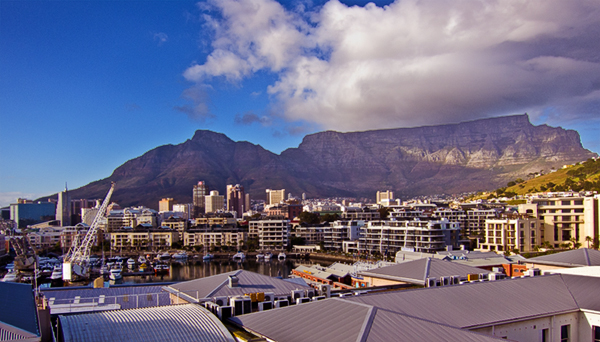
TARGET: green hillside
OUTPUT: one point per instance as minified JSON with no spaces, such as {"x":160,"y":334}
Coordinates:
{"x":579,"y":177}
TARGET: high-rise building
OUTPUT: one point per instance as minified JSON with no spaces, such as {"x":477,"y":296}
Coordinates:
{"x":63,"y":208}
{"x":198,"y":197}
{"x":166,"y":204}
{"x":214,"y":202}
{"x":236,"y":199}
{"x":385,"y":197}
{"x":275,"y":196}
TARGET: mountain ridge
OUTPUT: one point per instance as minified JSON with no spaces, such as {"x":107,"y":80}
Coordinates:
{"x":469,"y":156}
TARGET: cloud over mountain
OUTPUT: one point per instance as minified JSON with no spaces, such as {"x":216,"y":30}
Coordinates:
{"x":411,"y":62}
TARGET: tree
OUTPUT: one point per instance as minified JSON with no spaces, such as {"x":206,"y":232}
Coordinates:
{"x":589,"y":240}
{"x":384,"y":212}
{"x":309,"y":218}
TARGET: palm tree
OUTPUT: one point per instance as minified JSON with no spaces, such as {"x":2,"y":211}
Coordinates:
{"x":589,"y":240}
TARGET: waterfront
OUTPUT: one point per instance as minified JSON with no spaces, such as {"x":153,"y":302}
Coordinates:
{"x":182,"y":271}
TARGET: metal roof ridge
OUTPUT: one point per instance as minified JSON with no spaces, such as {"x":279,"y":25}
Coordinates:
{"x":365,"y":329}
{"x":427,"y":266}
{"x":587,"y":257}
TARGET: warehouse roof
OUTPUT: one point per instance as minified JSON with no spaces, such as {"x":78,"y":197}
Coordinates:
{"x":189,"y":322}
{"x":572,"y":258}
{"x":248,"y":282}
{"x":417,"y":271}
{"x":358,"y":323}
{"x":483,"y":303}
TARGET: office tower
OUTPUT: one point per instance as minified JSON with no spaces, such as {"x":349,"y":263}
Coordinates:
{"x":63,"y":208}
{"x":247,"y":203}
{"x":385,"y":197}
{"x":214,"y":202}
{"x":275,"y":196}
{"x":198,"y":197}
{"x":166,"y":204}
{"x":303,"y":196}
{"x":236,"y":199}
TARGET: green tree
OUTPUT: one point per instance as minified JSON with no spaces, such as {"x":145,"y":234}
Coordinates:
{"x":589,"y":240}
{"x":309,"y":218}
{"x":384,"y":212}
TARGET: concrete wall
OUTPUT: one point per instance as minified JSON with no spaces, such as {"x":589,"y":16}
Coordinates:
{"x":531,"y":330}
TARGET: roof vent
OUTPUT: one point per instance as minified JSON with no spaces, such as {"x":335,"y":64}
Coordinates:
{"x":233,"y":281}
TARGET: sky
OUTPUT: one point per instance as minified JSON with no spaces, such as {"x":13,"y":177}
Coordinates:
{"x":87,"y":85}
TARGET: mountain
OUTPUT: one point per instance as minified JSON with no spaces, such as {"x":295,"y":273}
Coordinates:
{"x":469,"y":156}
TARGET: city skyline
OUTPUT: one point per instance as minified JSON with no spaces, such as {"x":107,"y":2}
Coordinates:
{"x":86,"y":86}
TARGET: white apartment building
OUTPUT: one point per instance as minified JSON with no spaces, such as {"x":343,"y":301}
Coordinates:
{"x":566,"y":217}
{"x":339,"y":231}
{"x":131,"y":217}
{"x":512,"y":233}
{"x":275,"y":196}
{"x":311,"y":235}
{"x":214,"y":202}
{"x":271,"y":234}
{"x":208,"y":239}
{"x":416,"y":235}
{"x":143,"y":239}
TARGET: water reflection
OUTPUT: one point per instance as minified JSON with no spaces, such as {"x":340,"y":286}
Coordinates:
{"x":181,"y":271}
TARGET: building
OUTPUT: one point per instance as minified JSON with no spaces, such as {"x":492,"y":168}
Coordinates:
{"x":272,"y":234}
{"x":63,"y":208}
{"x":176,"y":223}
{"x":214,"y":239}
{"x":429,"y":236}
{"x":24,"y":214}
{"x":566,"y":217}
{"x":339,"y":231}
{"x":384,"y":197}
{"x":275,"y":196}
{"x":288,"y":211}
{"x":512,"y":233}
{"x":362,"y":214}
{"x":166,"y":204}
{"x":141,"y":238}
{"x":199,"y":194}
{"x":213,"y":203}
{"x":19,"y":317}
{"x":183,"y":210}
{"x":568,"y":259}
{"x":236,"y":200}
{"x":131,"y":217}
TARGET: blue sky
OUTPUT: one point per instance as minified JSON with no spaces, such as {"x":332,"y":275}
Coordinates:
{"x":87,"y":85}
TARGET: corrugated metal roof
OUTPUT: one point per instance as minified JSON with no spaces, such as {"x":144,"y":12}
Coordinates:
{"x":248,"y":282}
{"x":17,"y":307}
{"x":347,"y":321}
{"x":389,"y":326}
{"x":183,"y":323}
{"x":478,"y":304}
{"x":585,"y":290}
{"x":418,"y":271}
{"x":572,"y":258}
{"x":325,"y":320}
{"x":128,"y":297}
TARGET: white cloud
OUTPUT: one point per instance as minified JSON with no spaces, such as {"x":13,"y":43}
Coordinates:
{"x":161,"y":37}
{"x":412,"y":62}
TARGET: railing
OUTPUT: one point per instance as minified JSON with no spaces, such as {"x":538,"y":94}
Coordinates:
{"x":131,"y":301}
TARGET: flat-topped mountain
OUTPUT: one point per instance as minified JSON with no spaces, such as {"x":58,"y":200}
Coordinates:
{"x":469,"y":156}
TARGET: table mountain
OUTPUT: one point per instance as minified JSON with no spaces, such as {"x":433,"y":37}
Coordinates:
{"x":469,"y":156}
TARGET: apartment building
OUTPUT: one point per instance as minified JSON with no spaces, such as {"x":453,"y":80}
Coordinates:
{"x":362,"y":214}
{"x":207,"y":239}
{"x":143,"y":238}
{"x":512,"y":233}
{"x":417,"y":235}
{"x":566,"y":216}
{"x":339,"y":231}
{"x":272,"y":234}
{"x":130,"y":217}
{"x":176,"y":223}
{"x":312,"y":235}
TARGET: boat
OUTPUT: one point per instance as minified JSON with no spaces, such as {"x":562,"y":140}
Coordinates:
{"x":268,"y":256}
{"x":115,"y":274}
{"x":180,"y":255}
{"x":56,"y":273}
{"x":239,"y":256}
{"x":260,"y":256}
{"x":164,"y":256}
{"x":141,"y":259}
{"x":10,"y":277}
{"x":161,"y":269}
{"x":281,"y":256}
{"x":130,"y":262}
{"x":208,"y":257}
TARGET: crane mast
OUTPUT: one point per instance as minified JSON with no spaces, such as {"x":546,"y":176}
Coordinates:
{"x":77,"y":260}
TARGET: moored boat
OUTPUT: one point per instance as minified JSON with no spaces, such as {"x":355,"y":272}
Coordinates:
{"x":239,"y":256}
{"x":10,"y":277}
{"x":281,"y":256}
{"x":208,"y":257}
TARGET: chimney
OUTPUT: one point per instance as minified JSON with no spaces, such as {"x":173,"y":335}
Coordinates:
{"x":233,"y":281}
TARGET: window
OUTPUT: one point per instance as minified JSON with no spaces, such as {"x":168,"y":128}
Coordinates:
{"x":596,"y":333}
{"x":545,"y":335}
{"x":564,"y":333}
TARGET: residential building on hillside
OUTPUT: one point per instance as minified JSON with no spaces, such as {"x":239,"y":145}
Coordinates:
{"x":272,"y":234}
{"x":430,"y":236}
{"x":512,"y":233}
{"x":566,"y":218}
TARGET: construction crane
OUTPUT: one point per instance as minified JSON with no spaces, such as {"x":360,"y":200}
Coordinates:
{"x":78,"y":259}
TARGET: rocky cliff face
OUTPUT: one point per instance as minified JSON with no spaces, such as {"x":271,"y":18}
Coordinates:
{"x":470,"y":156}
